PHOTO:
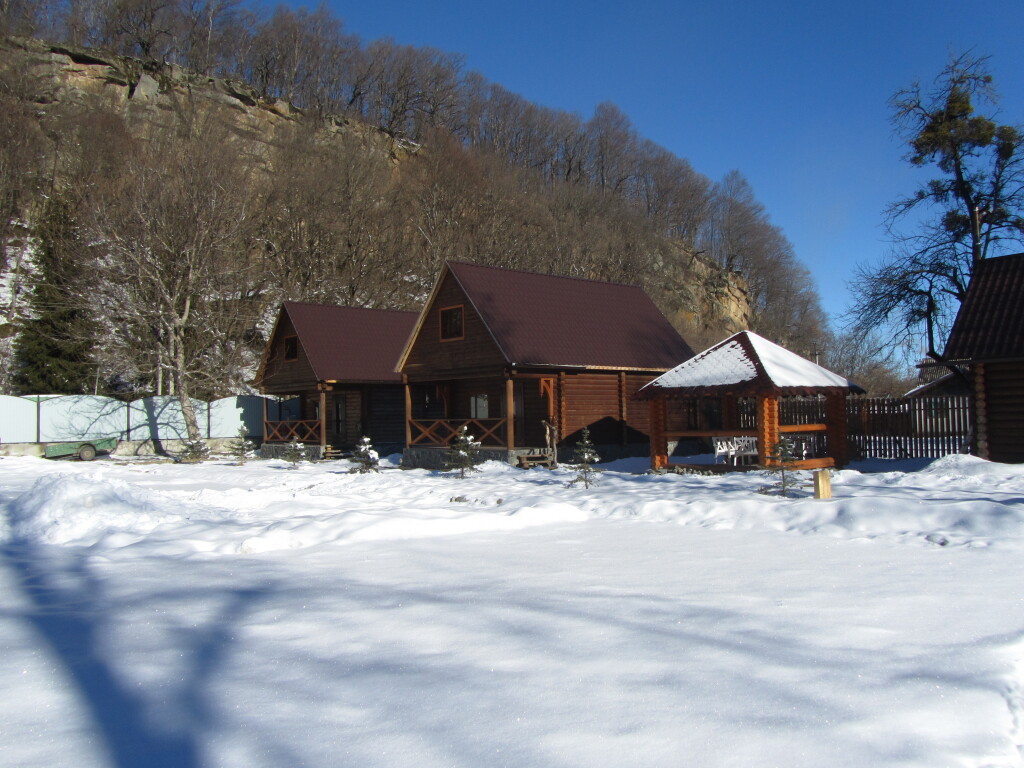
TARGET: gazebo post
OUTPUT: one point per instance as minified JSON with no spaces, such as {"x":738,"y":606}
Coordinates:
{"x":767,"y":427}
{"x":836,"y":432}
{"x":659,"y":444}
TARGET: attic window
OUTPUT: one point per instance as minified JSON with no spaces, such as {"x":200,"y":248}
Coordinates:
{"x":291,"y":347}
{"x":451,"y":323}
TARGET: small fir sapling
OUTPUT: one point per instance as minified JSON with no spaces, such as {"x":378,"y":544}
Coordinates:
{"x":783,"y":455}
{"x":193,"y":452}
{"x":463,"y":453}
{"x":584,"y":459}
{"x":242,"y":448}
{"x":365,"y":458}
{"x":294,"y":453}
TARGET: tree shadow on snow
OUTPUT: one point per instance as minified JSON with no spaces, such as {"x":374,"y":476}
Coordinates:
{"x":68,"y":608}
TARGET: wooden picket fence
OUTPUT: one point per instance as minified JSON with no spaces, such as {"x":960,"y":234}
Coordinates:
{"x":908,"y":428}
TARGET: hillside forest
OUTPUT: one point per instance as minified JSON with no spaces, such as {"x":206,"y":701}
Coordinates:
{"x":171,"y":170}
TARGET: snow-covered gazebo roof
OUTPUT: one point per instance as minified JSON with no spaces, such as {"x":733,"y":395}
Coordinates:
{"x":747,"y":364}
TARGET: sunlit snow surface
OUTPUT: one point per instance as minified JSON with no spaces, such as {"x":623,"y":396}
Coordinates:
{"x":221,"y":615}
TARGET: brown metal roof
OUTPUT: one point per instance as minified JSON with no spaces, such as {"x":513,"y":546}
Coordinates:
{"x":538,"y":319}
{"x":990,"y":323}
{"x":351,"y":343}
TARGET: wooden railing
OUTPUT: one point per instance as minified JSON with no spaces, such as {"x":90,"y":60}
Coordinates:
{"x":286,"y":431}
{"x":441,"y":431}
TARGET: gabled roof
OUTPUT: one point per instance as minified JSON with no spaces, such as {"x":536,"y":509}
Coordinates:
{"x":990,"y":323}
{"x":747,"y":364}
{"x":549,"y":320}
{"x":348,"y":343}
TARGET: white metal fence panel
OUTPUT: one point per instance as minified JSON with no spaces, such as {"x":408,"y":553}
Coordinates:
{"x":81,"y":417}
{"x":160,"y":418}
{"x":17,"y":419}
{"x":230,"y":413}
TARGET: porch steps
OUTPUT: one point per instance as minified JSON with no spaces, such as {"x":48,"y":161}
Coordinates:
{"x":530,"y":460}
{"x":332,"y":454}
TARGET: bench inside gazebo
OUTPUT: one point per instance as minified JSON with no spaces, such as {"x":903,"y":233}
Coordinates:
{"x":744,"y":395}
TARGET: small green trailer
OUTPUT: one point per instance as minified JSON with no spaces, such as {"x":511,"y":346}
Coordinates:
{"x":86,"y":450}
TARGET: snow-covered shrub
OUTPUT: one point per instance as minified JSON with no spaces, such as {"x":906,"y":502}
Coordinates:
{"x":463,"y":453}
{"x":193,"y":452}
{"x":365,"y":457}
{"x":583,"y":459}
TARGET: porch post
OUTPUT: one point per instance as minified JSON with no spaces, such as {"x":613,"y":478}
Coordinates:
{"x":561,"y":405}
{"x":510,"y":411}
{"x":323,"y":418}
{"x":767,"y":426}
{"x":659,"y":445}
{"x":264,"y":417}
{"x":408,"y":411}
{"x":835,"y":419}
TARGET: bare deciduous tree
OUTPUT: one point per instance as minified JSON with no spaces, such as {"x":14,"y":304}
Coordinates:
{"x":173,"y":234}
{"x":974,"y":207}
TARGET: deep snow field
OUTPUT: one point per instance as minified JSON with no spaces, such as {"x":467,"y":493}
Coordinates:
{"x":154,"y":614}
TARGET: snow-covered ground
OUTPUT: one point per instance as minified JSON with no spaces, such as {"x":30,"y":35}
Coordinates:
{"x":154,"y":614}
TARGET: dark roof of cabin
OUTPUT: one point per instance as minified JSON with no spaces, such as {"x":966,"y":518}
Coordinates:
{"x":351,"y":343}
{"x":538,"y":319}
{"x":990,"y":323}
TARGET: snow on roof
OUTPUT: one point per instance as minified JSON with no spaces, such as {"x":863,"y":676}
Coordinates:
{"x":750,"y":360}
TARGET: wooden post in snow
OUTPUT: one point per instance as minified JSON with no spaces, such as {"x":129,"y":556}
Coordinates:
{"x":822,"y":484}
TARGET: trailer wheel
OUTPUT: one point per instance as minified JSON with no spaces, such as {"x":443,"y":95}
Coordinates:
{"x":87,"y":452}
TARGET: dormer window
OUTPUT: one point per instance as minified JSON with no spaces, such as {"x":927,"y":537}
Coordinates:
{"x":451,"y":323}
{"x":291,"y":347}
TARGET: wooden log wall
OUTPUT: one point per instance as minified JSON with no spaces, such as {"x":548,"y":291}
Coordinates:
{"x":287,"y":377}
{"x":1003,"y":404}
{"x":432,"y":358}
{"x":606,"y":404}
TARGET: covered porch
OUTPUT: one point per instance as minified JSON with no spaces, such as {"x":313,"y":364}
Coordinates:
{"x":504,"y":413}
{"x":328,"y":417}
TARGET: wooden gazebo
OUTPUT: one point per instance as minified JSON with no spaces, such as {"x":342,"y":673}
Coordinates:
{"x":747,"y":386}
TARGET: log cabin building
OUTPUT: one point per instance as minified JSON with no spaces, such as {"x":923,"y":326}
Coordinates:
{"x":338,"y":364}
{"x":525,"y":360}
{"x":986,"y":344}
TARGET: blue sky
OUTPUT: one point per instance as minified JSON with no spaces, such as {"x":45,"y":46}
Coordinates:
{"x":794,"y":95}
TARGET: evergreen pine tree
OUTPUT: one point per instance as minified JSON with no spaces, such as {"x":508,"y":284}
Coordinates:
{"x":193,"y":452}
{"x":294,"y":453}
{"x":242,"y":447}
{"x":584,"y":458}
{"x":52,"y":350}
{"x":463,"y":452}
{"x":365,"y":457}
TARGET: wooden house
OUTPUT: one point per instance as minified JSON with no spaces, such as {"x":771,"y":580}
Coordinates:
{"x":987,"y":345}
{"x":339,"y":362}
{"x":522,"y":359}
{"x":747,"y":389}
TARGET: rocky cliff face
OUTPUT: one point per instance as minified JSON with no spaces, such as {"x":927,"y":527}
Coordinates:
{"x":152,"y":92}
{"x":713,"y":303}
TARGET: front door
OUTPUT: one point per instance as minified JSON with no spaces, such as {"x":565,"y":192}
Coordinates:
{"x":339,"y":426}
{"x":346,"y":419}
